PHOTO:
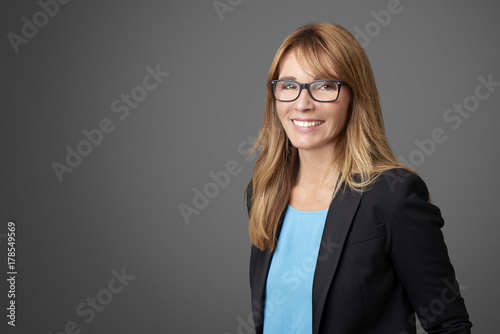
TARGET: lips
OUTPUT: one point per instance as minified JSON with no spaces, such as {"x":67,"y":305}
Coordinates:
{"x":307,"y":124}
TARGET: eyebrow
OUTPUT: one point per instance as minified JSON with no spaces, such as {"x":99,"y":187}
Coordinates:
{"x":288,"y":78}
{"x":295,"y":79}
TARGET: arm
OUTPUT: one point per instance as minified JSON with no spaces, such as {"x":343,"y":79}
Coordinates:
{"x":421,"y":260}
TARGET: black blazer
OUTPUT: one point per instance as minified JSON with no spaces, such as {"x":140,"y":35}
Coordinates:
{"x":382,"y":258}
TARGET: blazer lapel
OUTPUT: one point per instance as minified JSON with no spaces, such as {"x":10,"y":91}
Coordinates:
{"x":260,"y":270}
{"x":338,"y":222}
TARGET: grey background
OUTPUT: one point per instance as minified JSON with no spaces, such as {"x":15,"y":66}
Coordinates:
{"x":120,"y":207}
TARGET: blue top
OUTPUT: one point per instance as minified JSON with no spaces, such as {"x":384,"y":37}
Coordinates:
{"x":288,"y":304}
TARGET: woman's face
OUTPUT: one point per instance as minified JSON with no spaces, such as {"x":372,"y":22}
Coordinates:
{"x":311,"y":125}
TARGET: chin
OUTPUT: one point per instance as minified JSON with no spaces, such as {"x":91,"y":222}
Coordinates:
{"x":304,"y":145}
{"x":312,"y":144}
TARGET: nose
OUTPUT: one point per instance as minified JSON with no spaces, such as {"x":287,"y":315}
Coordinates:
{"x":304,"y":102}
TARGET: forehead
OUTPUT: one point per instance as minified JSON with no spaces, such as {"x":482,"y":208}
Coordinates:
{"x":314,"y":64}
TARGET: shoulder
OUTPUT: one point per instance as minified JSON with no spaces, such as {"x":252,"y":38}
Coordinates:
{"x":394,"y":190}
{"x":406,"y":196}
{"x":398,"y":182}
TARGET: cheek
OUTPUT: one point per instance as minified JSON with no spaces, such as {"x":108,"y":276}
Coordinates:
{"x":343,"y":116}
{"x":343,"y":113}
{"x":281,"y":112}
{"x":338,"y":120}
{"x":343,"y":120}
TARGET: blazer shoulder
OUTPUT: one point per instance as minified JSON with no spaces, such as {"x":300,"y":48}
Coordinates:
{"x":401,"y":181}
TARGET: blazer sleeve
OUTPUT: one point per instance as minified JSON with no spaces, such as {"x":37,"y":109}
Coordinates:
{"x":421,"y":260}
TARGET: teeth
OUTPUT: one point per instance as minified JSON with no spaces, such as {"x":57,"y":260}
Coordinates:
{"x":307,"y":124}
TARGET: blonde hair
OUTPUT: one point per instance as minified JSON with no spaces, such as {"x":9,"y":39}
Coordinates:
{"x":363,"y":149}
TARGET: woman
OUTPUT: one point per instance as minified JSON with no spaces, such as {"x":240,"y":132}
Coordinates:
{"x":344,"y":237}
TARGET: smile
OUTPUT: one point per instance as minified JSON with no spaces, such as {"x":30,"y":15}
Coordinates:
{"x":307,"y":124}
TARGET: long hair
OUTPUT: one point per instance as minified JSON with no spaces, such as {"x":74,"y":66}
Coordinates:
{"x":363,"y":149}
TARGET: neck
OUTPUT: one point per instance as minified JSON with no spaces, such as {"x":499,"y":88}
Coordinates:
{"x":316,"y":169}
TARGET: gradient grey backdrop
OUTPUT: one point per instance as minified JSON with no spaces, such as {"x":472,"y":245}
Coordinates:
{"x":120,"y":207}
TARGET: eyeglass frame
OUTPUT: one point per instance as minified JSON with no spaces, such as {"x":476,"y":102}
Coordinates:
{"x":306,"y":86}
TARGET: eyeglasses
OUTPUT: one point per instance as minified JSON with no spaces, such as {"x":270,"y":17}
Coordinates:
{"x":320,"y":90}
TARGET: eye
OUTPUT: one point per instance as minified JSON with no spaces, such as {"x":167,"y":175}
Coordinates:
{"x":326,"y":85}
{"x":287,"y":85}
